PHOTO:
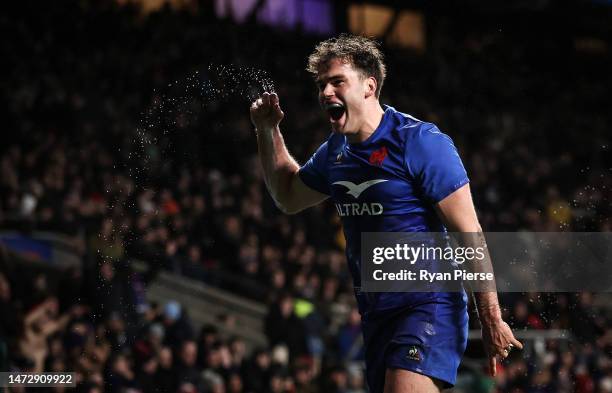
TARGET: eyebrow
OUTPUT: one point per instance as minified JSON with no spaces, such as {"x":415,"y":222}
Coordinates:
{"x":337,"y":76}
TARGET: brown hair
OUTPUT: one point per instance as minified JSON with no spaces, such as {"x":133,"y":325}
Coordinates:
{"x":361,"y":52}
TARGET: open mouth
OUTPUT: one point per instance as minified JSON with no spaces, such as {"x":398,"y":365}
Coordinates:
{"x":335,"y":110}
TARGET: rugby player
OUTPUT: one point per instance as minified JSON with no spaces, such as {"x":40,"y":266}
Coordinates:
{"x":386,"y":171}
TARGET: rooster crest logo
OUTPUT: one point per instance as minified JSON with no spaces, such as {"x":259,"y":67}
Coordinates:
{"x":378,"y":156}
{"x":413,"y":353}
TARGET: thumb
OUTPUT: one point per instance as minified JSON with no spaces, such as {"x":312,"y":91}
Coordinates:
{"x":276,"y":106}
{"x":517,"y":343}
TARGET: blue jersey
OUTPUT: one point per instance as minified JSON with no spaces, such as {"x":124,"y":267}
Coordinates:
{"x":388,"y":183}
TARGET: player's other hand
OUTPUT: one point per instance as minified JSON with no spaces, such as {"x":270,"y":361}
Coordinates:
{"x":266,"y":113}
{"x":498,"y":341}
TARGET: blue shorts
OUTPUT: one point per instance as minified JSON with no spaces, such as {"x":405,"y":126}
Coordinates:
{"x":429,"y":338}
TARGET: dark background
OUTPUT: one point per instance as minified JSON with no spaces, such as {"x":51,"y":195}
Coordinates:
{"x":121,"y":135}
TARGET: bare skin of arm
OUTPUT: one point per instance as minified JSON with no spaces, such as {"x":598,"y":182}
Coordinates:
{"x":280,"y":170}
{"x":459,"y":215}
{"x":38,"y":312}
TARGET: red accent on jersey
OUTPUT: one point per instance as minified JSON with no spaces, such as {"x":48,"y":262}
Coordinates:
{"x":377,"y":157}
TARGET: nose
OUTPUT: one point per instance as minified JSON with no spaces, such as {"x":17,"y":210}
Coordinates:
{"x":328,"y":91}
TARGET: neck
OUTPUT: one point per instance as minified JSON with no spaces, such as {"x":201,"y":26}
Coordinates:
{"x":372,"y":119}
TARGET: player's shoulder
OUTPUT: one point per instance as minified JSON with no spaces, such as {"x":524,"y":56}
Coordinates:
{"x":412,"y":130}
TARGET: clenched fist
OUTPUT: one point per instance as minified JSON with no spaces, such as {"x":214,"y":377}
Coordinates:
{"x":266,"y":113}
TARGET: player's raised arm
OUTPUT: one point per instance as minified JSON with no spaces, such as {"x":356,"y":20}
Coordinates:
{"x":280,"y":170}
{"x":459,"y":215}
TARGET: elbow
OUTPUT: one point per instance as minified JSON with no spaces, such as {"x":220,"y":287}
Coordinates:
{"x":287,"y":210}
{"x":471,"y":229}
{"x":286,"y":206}
{"x":467,"y":227}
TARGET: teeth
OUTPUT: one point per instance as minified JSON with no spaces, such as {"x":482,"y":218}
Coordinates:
{"x":334,"y":105}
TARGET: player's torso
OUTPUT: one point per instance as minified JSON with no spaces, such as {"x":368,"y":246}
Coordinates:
{"x":389,"y":182}
{"x":372,"y":189}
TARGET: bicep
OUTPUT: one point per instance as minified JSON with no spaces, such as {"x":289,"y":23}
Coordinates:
{"x":303,"y":196}
{"x":457,"y":211}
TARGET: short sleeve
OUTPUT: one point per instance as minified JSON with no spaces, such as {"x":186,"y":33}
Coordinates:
{"x":433,"y":160}
{"x":314,"y":173}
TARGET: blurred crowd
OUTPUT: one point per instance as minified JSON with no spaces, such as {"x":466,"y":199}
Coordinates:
{"x":121,"y":137}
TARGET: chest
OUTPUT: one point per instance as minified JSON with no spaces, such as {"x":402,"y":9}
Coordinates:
{"x":373,"y":175}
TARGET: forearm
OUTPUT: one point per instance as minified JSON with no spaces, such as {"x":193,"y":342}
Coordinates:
{"x":38,"y":312}
{"x":458,"y":213}
{"x":278,"y":166}
{"x":488,"y":307}
{"x":485,"y":292}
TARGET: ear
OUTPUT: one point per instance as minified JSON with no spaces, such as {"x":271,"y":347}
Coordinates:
{"x":370,"y":87}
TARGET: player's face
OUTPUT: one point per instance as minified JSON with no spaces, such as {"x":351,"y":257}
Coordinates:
{"x":342,"y":94}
